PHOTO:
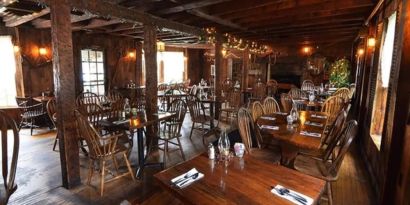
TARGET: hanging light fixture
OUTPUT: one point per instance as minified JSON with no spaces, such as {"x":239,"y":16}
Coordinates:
{"x":360,"y":51}
{"x":160,"y":46}
{"x":371,"y":42}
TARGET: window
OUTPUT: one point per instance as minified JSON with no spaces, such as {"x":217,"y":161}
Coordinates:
{"x":8,"y":72}
{"x":170,"y":67}
{"x":382,"y":82}
{"x":93,"y":71}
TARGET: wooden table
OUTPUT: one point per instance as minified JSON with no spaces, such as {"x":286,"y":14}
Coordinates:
{"x":310,"y":106}
{"x":242,"y":181}
{"x":140,"y":135}
{"x":289,"y":137}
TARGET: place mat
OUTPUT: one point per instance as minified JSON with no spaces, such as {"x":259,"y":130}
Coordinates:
{"x":310,"y":134}
{"x":319,"y":116}
{"x":315,"y":124}
{"x":187,"y":178}
{"x":269,"y":127}
{"x":268,"y":118}
{"x":291,"y":195}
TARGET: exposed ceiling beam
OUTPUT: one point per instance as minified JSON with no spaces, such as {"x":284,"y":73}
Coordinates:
{"x":216,"y":19}
{"x":97,"y":23}
{"x":188,"y":6}
{"x":240,"y":5}
{"x":74,"y":19}
{"x":24,"y":19}
{"x":106,"y":9}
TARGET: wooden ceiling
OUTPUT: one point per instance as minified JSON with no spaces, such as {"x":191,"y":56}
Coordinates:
{"x":278,"y":22}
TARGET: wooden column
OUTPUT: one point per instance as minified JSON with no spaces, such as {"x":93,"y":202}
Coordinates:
{"x":218,"y":70}
{"x":64,"y":89}
{"x":138,"y":62}
{"x":245,"y":68}
{"x":151,"y":78}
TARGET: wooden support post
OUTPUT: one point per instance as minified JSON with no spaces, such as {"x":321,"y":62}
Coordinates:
{"x":64,"y":90}
{"x":138,"y":62}
{"x":151,"y":78}
{"x":218,"y":71}
{"x":245,"y":69}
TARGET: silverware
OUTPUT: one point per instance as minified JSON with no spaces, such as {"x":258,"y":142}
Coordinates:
{"x":193,"y":177}
{"x":294,"y":194}
{"x":187,"y":175}
{"x":282,"y":192}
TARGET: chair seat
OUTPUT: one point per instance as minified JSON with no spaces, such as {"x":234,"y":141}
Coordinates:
{"x":167,"y":136}
{"x":265,"y":154}
{"x":314,"y":167}
{"x":229,"y":109}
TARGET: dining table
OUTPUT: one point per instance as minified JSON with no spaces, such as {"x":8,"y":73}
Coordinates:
{"x":315,"y":105}
{"x":137,"y":125}
{"x":295,"y":137}
{"x":241,"y":180}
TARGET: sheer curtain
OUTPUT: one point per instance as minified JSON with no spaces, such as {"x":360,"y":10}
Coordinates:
{"x":387,"y":50}
{"x":8,"y":71}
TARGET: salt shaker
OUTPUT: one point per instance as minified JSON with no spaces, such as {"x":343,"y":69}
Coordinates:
{"x":211,"y":151}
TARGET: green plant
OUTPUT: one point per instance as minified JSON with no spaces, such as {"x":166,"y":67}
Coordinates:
{"x":340,"y":72}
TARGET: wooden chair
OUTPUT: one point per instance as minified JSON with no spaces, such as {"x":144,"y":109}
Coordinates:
{"x":30,"y":114}
{"x":270,"y":105}
{"x":296,"y":93}
{"x":332,"y":106}
{"x":9,"y":140}
{"x":227,"y":85}
{"x":286,"y":101}
{"x":24,"y":101}
{"x":51,"y":111}
{"x":102,"y":149}
{"x":172,"y":129}
{"x":343,"y":93}
{"x":272,"y":87}
{"x":324,"y":169}
{"x":259,"y":91}
{"x":114,"y":96}
{"x":87,"y":98}
{"x":198,"y":116}
{"x":231,"y":105}
{"x":257,"y":110}
{"x":193,"y":90}
{"x":252,"y":140}
{"x":308,"y":85}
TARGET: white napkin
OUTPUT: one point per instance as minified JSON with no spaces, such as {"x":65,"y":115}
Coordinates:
{"x":281,"y":113}
{"x":185,"y":182}
{"x":310,"y":134}
{"x":290,"y":198}
{"x":268,"y":118}
{"x":120,"y":122}
{"x":319,"y":116}
{"x":269,"y":127}
{"x":315,"y":124}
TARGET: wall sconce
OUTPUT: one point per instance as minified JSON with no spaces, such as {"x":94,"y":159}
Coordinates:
{"x":224,"y":52}
{"x":42,"y":51}
{"x":371,"y":42}
{"x":360,"y":51}
{"x":160,"y":46}
{"x":306,"y":50}
{"x":131,"y":54}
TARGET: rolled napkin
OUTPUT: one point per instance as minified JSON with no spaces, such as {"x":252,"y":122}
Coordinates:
{"x":291,"y":195}
{"x":315,"y":124}
{"x":187,"y":178}
{"x":118,"y":122}
{"x":269,"y":127}
{"x":281,"y":113}
{"x":319,"y":116}
{"x":310,"y":134}
{"x":268,"y":118}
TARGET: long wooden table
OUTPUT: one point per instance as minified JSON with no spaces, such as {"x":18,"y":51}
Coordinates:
{"x":242,"y":181}
{"x":289,"y":138}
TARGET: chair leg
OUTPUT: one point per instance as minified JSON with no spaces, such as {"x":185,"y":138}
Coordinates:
{"x":114,"y":160}
{"x":329,"y":193}
{"x":90,"y":171}
{"x":31,"y":126}
{"x":129,"y":167}
{"x":165,"y":153}
{"x":55,"y":142}
{"x":180,"y":149}
{"x":192,"y":129}
{"x":102,"y":177}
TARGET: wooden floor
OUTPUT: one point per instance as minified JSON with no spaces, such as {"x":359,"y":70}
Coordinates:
{"x":39,"y":177}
